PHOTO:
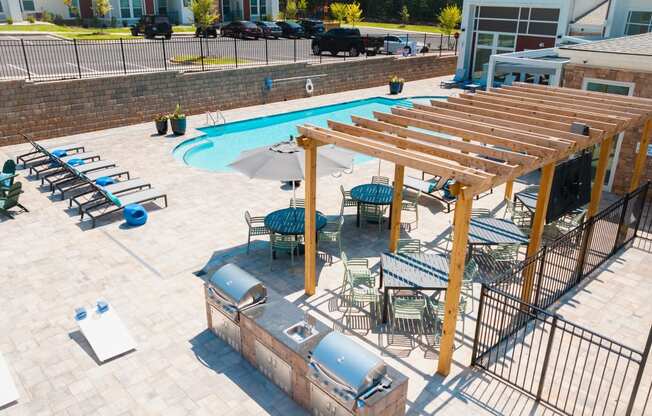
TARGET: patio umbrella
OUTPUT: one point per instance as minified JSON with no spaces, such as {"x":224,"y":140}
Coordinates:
{"x":285,"y":161}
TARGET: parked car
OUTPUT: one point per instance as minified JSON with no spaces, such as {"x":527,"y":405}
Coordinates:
{"x":290,"y":29}
{"x":151,"y":26}
{"x":270,"y":29}
{"x":346,"y":40}
{"x":402,"y":44}
{"x":241,"y":29}
{"x":208,"y":31}
{"x":311,"y":27}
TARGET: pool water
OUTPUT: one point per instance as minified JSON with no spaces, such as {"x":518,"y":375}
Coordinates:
{"x":221,"y":145}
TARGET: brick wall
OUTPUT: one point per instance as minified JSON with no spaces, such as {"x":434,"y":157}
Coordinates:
{"x":54,"y":109}
{"x":573,"y":77}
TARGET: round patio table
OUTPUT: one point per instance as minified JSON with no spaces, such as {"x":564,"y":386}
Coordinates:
{"x":291,"y":221}
{"x":373,"y":194}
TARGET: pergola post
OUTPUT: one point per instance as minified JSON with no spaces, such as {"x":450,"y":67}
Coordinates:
{"x":310,"y":236}
{"x":641,"y":157}
{"x":397,"y":203}
{"x":456,"y":272}
{"x":536,"y":234}
{"x":600,"y":174}
{"x":509,"y":190}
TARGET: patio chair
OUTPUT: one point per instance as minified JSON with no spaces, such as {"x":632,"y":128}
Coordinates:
{"x":437,"y":313}
{"x":480,"y":213}
{"x":568,"y":223}
{"x":347,"y":201}
{"x":503,"y":256}
{"x":408,"y":245}
{"x":445,"y":195}
{"x":297,"y":203}
{"x":373,"y":213}
{"x":256,"y":227}
{"x":381,"y":180}
{"x":42,"y":153}
{"x":10,"y":199}
{"x":360,"y":271}
{"x":8,"y":168}
{"x":471,"y":272}
{"x":457,"y":80}
{"x":280,"y":242}
{"x":113,"y":204}
{"x":94,"y":194}
{"x":521,"y":217}
{"x":412,"y":205}
{"x":332,"y":233}
{"x":358,"y":291}
{"x":408,"y":308}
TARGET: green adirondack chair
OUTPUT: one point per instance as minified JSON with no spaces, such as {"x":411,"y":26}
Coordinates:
{"x":10,"y":199}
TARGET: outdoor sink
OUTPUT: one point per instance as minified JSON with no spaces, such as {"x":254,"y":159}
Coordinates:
{"x":301,"y":332}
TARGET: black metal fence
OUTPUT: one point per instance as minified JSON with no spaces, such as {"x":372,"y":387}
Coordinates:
{"x":41,"y":60}
{"x":560,"y":363}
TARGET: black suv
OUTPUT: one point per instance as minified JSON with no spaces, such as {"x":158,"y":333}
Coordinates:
{"x":151,"y":26}
{"x":290,"y":29}
{"x":311,"y":27}
{"x":208,"y":31}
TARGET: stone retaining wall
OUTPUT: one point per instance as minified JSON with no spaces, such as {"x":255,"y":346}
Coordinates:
{"x":53,"y":109}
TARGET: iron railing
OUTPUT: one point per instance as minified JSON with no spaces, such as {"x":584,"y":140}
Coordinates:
{"x":54,"y":59}
{"x":560,"y":363}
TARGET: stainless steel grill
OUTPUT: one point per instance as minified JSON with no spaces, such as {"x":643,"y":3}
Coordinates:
{"x":347,"y":371}
{"x":232,"y":290}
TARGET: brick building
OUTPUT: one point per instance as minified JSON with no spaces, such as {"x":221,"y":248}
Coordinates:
{"x":620,"y":66}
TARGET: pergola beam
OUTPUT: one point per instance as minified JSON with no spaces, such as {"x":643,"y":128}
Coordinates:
{"x":641,"y":156}
{"x":501,"y":154}
{"x":476,"y":162}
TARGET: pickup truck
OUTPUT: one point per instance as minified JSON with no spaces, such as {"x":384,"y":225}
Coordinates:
{"x":346,"y":40}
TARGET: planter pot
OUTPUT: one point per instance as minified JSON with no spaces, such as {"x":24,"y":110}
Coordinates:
{"x":395,"y":88}
{"x":178,"y":126}
{"x":161,"y":127}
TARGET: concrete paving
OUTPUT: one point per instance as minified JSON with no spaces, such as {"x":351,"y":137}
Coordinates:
{"x":52,"y":264}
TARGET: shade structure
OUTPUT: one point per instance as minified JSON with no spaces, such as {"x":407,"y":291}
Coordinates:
{"x":285,"y":161}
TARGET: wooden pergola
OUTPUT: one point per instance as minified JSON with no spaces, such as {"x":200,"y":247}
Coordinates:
{"x":489,"y":138}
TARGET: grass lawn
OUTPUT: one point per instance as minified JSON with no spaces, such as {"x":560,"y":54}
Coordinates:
{"x":36,"y":27}
{"x":208,"y":60}
{"x":397,"y":26}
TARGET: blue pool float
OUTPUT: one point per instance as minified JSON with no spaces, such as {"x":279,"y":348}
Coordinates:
{"x":135,"y":215}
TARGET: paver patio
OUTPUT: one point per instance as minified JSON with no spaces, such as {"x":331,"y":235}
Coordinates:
{"x":52,"y":264}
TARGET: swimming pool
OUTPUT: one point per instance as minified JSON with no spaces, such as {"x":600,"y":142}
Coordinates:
{"x":221,"y":145}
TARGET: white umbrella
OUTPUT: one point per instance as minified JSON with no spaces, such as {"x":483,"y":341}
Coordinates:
{"x":285,"y":161}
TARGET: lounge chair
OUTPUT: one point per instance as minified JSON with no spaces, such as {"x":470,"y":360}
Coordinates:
{"x":82,"y":180}
{"x":10,"y":199}
{"x":49,"y":165}
{"x":41,"y":152}
{"x":113,"y":204}
{"x":67,"y":172}
{"x":457,"y":81}
{"x":94,"y":195}
{"x":8,"y":391}
{"x":426,"y":187}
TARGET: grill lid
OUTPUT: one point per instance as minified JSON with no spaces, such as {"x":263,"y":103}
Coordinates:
{"x":237,"y":287}
{"x":350,"y":364}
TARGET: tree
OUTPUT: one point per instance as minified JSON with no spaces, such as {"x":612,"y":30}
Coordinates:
{"x":102,"y":7}
{"x":291,"y":10}
{"x":338,"y":11}
{"x":405,"y":15}
{"x":71,"y":7}
{"x":353,"y":13}
{"x":302,"y":5}
{"x":204,"y":12}
{"x":449,"y":17}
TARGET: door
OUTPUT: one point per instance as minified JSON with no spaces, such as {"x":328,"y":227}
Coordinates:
{"x":612,"y":87}
{"x":226,"y":329}
{"x":86,"y":9}
{"x":273,"y":367}
{"x":487,"y":44}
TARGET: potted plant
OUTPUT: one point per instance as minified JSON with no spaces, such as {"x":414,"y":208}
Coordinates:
{"x":178,"y":121}
{"x":161,"y":121}
{"x":396,"y":85}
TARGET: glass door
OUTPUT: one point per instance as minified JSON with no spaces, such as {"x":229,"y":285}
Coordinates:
{"x":487,"y":44}
{"x":611,"y":87}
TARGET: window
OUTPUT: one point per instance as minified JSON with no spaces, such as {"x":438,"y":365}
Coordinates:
{"x":507,"y":41}
{"x":131,"y":8}
{"x":638,"y":22}
{"x":226,"y":9}
{"x":28,"y":5}
{"x":163,"y":7}
{"x":608,"y":88}
{"x":1,"y":10}
{"x":263,"y":8}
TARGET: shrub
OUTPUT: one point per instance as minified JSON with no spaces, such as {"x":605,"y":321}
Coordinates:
{"x":291,"y":10}
{"x":161,"y":117}
{"x":114,"y":21}
{"x":449,"y":18}
{"x":31,"y":19}
{"x":47,"y":16}
{"x":353,"y":13}
{"x":405,"y":15}
{"x":102,"y":7}
{"x":338,"y":11}
{"x":10,"y":21}
{"x":178,"y":114}
{"x":204,"y":12}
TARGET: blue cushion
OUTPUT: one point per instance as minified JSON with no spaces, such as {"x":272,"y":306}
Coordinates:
{"x":135,"y":215}
{"x":59,"y":153}
{"x":105,"y":180}
{"x":75,"y":162}
{"x":446,"y":188}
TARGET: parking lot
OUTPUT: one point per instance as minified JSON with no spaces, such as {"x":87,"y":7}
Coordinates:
{"x":48,"y":57}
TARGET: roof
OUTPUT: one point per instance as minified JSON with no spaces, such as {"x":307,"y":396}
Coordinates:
{"x":628,"y":45}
